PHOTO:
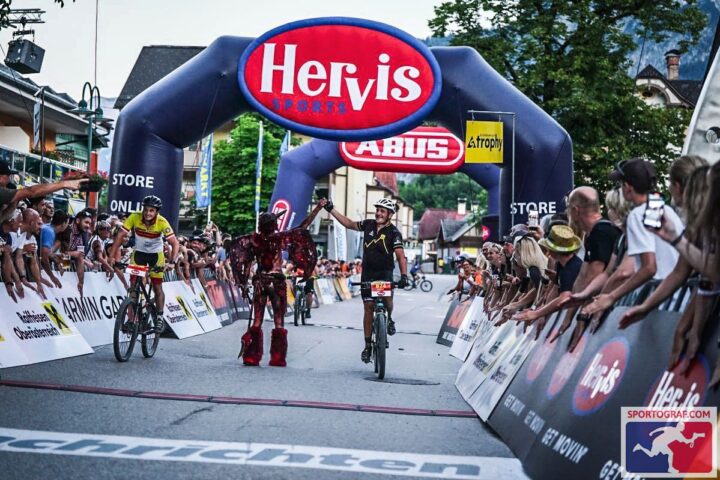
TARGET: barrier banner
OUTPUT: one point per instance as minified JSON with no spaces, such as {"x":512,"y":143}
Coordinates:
{"x":482,"y":358}
{"x":326,"y":290}
{"x":94,"y":312}
{"x":200,"y":306}
{"x":564,"y":409}
{"x":242,"y":306}
{"x":39,"y":330}
{"x":217,"y":294}
{"x":344,"y":289}
{"x":178,"y":314}
{"x":466,"y":333}
{"x":453,"y":319}
{"x":355,"y":290}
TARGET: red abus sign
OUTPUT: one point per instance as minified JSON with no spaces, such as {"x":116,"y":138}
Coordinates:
{"x":423,"y":150}
{"x":340,"y":78}
{"x":280,"y":205}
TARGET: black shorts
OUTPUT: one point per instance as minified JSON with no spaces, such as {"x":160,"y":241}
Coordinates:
{"x":365,"y":293}
{"x":309,"y":286}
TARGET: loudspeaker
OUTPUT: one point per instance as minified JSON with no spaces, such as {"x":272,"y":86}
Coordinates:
{"x":24,"y":56}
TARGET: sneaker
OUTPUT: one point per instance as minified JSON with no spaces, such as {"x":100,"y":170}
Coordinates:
{"x":159,"y":324}
{"x":366,"y":354}
{"x":391,"y":327}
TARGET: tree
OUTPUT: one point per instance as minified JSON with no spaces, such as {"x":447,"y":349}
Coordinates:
{"x":233,"y":190}
{"x":572,"y":59}
{"x":441,"y":191}
{"x":5,"y":11}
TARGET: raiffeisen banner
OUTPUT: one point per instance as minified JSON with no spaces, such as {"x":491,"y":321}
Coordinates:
{"x":429,"y":150}
{"x":340,"y":78}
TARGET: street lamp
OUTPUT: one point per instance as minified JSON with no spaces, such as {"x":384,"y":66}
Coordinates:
{"x":92,"y":112}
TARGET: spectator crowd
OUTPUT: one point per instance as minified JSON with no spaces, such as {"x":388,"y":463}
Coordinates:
{"x":641,"y":252}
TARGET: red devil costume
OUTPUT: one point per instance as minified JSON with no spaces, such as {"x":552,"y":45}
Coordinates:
{"x":268,"y":282}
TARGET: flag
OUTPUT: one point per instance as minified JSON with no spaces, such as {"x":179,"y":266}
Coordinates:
{"x":258,"y":169}
{"x":285,"y":145}
{"x":203,"y":177}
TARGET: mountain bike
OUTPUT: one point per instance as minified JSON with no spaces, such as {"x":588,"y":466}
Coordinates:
{"x":379,"y":290}
{"x":137,"y":316}
{"x":424,"y":284}
{"x":300,"y":301}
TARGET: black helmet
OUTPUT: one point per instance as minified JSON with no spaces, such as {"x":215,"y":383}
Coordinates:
{"x":152,"y":201}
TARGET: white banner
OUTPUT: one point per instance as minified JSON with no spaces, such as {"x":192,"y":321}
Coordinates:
{"x":340,"y":240}
{"x":201,"y":307}
{"x":39,"y":329}
{"x":486,"y":397}
{"x":485,"y":352}
{"x":474,"y":317}
{"x":325,"y":290}
{"x":94,"y":312}
{"x":178,"y":314}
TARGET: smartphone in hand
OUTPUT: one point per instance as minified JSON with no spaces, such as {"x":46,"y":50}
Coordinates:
{"x":654,"y":210}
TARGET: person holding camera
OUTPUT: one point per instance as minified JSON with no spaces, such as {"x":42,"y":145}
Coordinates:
{"x":654,"y":259}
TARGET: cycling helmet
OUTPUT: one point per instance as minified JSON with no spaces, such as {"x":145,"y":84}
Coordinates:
{"x":385,"y":203}
{"x":460,"y":258}
{"x":152,"y":201}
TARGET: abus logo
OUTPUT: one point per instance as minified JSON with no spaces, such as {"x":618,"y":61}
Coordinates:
{"x":602,"y":377}
{"x":282,"y":204}
{"x":340,"y":78}
{"x":423,"y":150}
{"x":673,"y":389}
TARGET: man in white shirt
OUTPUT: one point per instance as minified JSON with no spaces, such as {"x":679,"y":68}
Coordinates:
{"x":654,"y":258}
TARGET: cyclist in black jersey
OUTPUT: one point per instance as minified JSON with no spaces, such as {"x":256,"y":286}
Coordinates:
{"x":381,"y":239}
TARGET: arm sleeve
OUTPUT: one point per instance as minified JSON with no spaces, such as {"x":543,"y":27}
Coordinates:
{"x":397,"y":239}
{"x":129,"y":223}
{"x":361,"y":225}
{"x":47,"y":238}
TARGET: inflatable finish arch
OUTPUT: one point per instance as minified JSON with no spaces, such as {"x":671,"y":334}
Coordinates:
{"x":204,"y":93}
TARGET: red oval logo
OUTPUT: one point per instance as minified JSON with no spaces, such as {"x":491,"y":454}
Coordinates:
{"x":431,"y":150}
{"x":340,"y":78}
{"x":675,"y":389}
{"x":540,"y":358}
{"x":565,"y":368}
{"x":280,"y":205}
{"x":602,"y":377}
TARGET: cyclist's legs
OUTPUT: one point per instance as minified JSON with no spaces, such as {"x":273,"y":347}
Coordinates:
{"x":389,"y":305}
{"x":157,"y":278}
{"x":369,"y":306}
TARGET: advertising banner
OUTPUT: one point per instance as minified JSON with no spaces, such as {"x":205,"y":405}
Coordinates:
{"x":483,"y":142}
{"x":220,"y":300}
{"x":94,"y":312}
{"x":453,"y":319}
{"x":326,"y":290}
{"x":40,"y":330}
{"x":200,"y":306}
{"x":178,"y":314}
{"x":466,"y":333}
{"x":565,"y":408}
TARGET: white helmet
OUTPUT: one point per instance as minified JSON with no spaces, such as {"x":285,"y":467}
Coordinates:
{"x":386,"y":203}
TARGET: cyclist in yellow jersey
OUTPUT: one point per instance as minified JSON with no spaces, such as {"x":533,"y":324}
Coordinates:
{"x":150,"y":229}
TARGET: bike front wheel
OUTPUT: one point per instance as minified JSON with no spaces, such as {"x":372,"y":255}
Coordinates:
{"x":127,"y":324}
{"x":426,"y":286}
{"x":380,"y":344}
{"x":149,"y":339}
{"x":296,"y":310}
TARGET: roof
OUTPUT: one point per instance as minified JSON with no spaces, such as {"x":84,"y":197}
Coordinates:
{"x":62,"y":100}
{"x":153,"y":63}
{"x":686,"y":90}
{"x":449,"y":227}
{"x":387,"y":180}
{"x":429,"y":225}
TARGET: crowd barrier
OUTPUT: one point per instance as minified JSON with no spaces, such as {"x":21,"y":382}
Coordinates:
{"x":67,"y":324}
{"x":559,"y":412}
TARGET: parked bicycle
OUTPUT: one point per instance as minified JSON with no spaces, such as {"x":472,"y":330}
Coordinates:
{"x":379,"y":290}
{"x":419,"y":281}
{"x":137,"y":316}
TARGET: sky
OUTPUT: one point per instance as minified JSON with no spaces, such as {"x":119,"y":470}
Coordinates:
{"x":125,"y":26}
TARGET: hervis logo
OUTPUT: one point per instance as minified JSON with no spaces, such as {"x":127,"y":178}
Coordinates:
{"x":602,"y":377}
{"x":681,"y":389}
{"x":340,"y":78}
{"x":422,"y":150}
{"x":56,"y":318}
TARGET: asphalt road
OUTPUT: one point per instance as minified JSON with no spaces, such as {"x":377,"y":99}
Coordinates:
{"x":413,"y":424}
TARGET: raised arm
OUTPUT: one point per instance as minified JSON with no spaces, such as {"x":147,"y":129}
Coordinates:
{"x":344,"y":221}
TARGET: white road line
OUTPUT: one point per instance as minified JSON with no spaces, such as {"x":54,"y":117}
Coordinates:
{"x":260,"y":454}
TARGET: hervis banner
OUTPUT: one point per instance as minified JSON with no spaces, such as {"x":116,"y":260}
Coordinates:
{"x":483,"y":142}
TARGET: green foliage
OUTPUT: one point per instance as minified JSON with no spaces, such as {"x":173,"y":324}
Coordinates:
{"x":571,"y":58}
{"x":442,"y":191}
{"x":233,"y":190}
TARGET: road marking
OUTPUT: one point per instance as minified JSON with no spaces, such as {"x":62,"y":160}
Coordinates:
{"x":272,"y":402}
{"x":260,"y":454}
